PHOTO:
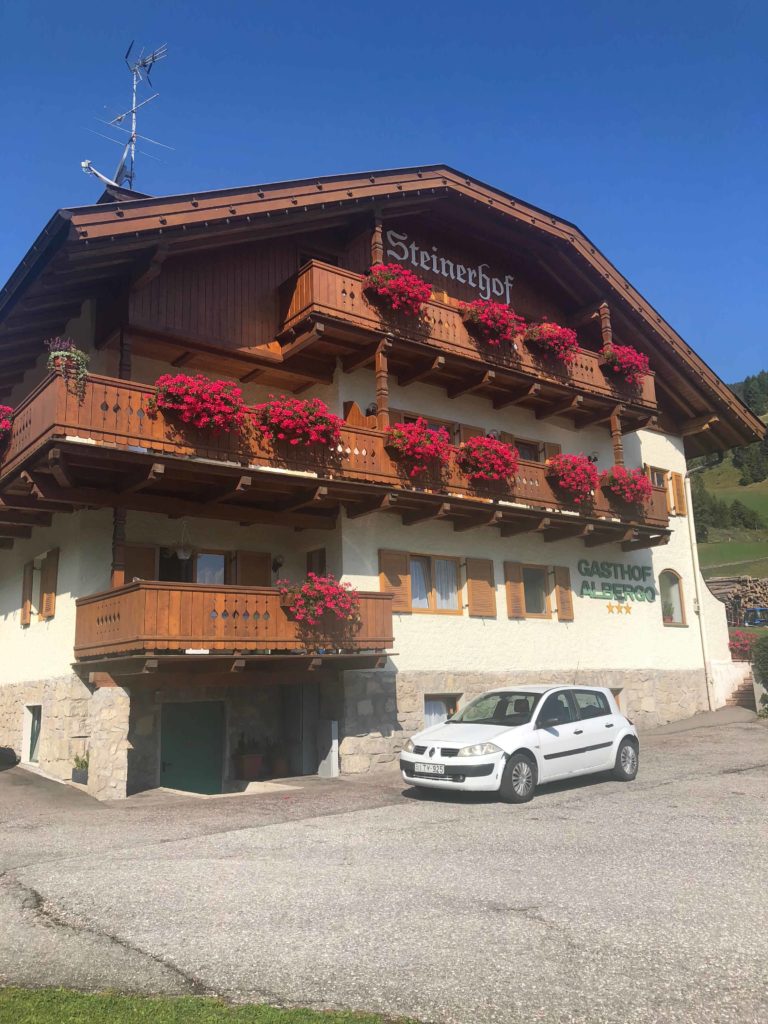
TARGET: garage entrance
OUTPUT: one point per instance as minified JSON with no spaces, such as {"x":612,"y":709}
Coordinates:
{"x":192,"y":746}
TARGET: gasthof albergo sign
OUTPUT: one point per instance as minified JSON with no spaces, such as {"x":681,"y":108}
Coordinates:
{"x":616,"y":581}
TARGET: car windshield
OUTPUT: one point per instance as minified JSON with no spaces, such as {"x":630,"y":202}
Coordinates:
{"x":508,"y":708}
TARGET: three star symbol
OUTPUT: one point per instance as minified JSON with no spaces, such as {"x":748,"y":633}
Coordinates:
{"x":626,"y":609}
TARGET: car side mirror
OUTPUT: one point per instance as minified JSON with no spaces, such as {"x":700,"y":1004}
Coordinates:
{"x":548,"y":723}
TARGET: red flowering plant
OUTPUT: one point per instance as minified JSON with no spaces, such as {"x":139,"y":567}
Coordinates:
{"x":493,"y":322}
{"x":419,"y":446}
{"x":6,"y":422}
{"x":553,"y":340}
{"x":320,"y":599}
{"x":629,"y":485}
{"x":485,"y":458}
{"x":575,"y":475}
{"x":214,"y":405}
{"x":627,"y":362}
{"x":299,"y":421}
{"x":741,"y":644}
{"x":399,"y":287}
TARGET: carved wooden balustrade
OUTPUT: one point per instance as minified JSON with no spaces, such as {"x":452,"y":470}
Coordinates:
{"x":118,"y":415}
{"x":324,"y":292}
{"x":174,"y":618}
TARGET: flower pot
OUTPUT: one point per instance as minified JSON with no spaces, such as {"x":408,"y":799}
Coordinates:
{"x":249,"y":767}
{"x":80,"y":776}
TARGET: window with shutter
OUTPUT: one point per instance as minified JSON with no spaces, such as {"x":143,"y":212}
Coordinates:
{"x":395,"y":578}
{"x":678,"y":494}
{"x":513,"y":577}
{"x":551,"y":449}
{"x":466,"y":432}
{"x":481,"y":588}
{"x":48,"y":579}
{"x":140,"y":562}
{"x":564,"y":593}
{"x":27,"y":584}
{"x":316,"y":561}
{"x":254,"y":569}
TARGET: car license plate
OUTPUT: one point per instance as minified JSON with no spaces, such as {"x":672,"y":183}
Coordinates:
{"x":430,"y":769}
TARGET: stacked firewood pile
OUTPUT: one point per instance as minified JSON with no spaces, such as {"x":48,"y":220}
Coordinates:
{"x":739,"y":593}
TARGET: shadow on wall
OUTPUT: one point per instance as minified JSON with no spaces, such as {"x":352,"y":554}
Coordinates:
{"x":8,"y":758}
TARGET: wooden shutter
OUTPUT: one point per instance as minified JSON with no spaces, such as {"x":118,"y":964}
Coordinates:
{"x":506,"y":437}
{"x":254,"y":569}
{"x":678,"y":494}
{"x":27,"y":583}
{"x":550,"y":449}
{"x":668,"y":494}
{"x":513,"y":576}
{"x":48,"y":576}
{"x":466,"y":432}
{"x":395,"y":578}
{"x":481,"y":588}
{"x":564,"y":593}
{"x":316,"y":561}
{"x":141,"y":562}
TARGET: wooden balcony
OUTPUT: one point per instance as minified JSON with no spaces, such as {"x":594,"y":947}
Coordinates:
{"x":149,"y":618}
{"x":334,"y":299}
{"x":112,"y":450}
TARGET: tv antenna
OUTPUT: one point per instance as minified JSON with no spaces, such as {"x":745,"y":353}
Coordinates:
{"x":140,"y":68}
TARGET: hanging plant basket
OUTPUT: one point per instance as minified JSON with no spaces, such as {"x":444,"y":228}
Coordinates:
{"x":575,"y":476}
{"x":6,"y":423}
{"x":486,"y":459}
{"x":215,"y":406}
{"x":322,"y":607}
{"x":494,"y":323}
{"x":69,"y":362}
{"x":552,"y":340}
{"x":420,"y":448}
{"x":298,"y":422}
{"x":398,"y":288}
{"x":629,"y":486}
{"x":626,"y":363}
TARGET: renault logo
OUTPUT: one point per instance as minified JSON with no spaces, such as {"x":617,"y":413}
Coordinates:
{"x":431,"y":751}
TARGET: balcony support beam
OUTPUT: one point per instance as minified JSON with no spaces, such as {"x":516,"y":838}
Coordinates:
{"x":604,"y":416}
{"x":618,"y":447}
{"x":117,"y":575}
{"x":365,"y":509}
{"x":57,"y":464}
{"x":494,"y":519}
{"x":150,"y":476}
{"x":646,"y":541}
{"x":381,"y":365}
{"x":470,"y":386}
{"x":305,"y":500}
{"x":600,"y":537}
{"x":526,"y":526}
{"x":572,"y":531}
{"x":565,"y":408}
{"x":361,"y":357}
{"x":423,"y":515}
{"x":516,"y":397}
{"x":699,"y":424}
{"x":421,"y":372}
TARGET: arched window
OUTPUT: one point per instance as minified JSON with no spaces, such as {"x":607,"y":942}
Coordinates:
{"x":671,"y":590}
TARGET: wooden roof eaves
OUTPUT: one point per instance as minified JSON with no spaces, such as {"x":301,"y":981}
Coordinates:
{"x":34,"y":261}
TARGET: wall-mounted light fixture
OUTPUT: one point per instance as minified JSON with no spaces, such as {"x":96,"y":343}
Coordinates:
{"x":372,"y":409}
{"x":277,"y":563}
{"x":184,"y":548}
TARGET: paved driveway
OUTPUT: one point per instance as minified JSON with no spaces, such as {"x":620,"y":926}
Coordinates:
{"x":596,"y":902}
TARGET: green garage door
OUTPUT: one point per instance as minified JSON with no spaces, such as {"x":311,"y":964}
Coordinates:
{"x":192,"y":746}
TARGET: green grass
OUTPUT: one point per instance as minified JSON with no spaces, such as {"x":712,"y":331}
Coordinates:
{"x":61,"y":1006}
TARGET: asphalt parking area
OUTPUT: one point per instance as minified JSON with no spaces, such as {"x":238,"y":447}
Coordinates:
{"x":596,"y":902}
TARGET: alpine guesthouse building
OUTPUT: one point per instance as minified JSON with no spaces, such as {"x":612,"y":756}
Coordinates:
{"x":142,"y":624}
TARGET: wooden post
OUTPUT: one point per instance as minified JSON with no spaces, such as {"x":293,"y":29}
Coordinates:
{"x":377,"y":239}
{"x":618,"y":447}
{"x":124,"y":367}
{"x":118,"y":547}
{"x":605,"y":325}
{"x":382,"y":384}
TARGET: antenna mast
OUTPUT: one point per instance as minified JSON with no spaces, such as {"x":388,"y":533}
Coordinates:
{"x":140,"y":69}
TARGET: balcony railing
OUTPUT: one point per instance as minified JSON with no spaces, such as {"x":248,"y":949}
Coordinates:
{"x":117,"y":415}
{"x":174,"y":618}
{"x":323,"y":292}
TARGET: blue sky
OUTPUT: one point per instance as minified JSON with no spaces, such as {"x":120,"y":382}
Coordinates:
{"x":643,"y":123}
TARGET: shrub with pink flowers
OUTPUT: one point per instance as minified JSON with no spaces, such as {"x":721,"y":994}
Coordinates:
{"x":320,"y":596}
{"x":299,"y":421}
{"x":399,"y":287}
{"x":741,"y":644}
{"x":575,"y":475}
{"x":627,"y":362}
{"x":629,"y":485}
{"x":553,"y":340}
{"x":214,"y":405}
{"x":419,"y":446}
{"x":493,"y":322}
{"x":485,"y":458}
{"x":6,"y":422}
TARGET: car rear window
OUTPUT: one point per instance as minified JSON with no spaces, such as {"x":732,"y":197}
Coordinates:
{"x":591,"y":704}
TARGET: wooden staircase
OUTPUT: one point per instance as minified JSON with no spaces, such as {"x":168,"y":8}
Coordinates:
{"x":743,"y":696}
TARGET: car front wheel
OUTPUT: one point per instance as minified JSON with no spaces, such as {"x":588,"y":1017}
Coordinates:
{"x":627,"y":761}
{"x":519,"y":780}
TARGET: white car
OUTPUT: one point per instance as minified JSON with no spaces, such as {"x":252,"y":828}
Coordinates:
{"x":509,"y":741}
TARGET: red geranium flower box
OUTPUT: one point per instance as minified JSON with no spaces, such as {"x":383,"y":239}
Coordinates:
{"x":298,"y":421}
{"x":553,"y":340}
{"x":6,"y":422}
{"x":215,"y":405}
{"x":485,"y":458}
{"x":493,"y":322}
{"x":318,"y":597}
{"x":627,"y":362}
{"x":419,"y":446}
{"x":629,"y":485}
{"x":399,"y":287}
{"x":575,"y":475}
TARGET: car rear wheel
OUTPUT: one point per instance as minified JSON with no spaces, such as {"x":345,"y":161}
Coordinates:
{"x":627,"y":761}
{"x":518,"y":782}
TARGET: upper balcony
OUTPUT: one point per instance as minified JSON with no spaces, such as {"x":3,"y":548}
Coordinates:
{"x":208,"y":625}
{"x":112,"y":450}
{"x":323,"y":305}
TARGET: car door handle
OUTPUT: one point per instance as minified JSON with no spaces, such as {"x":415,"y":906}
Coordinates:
{"x":577,"y":732}
{"x":609,"y":725}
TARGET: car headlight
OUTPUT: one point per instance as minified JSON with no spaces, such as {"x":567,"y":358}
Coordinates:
{"x":408,"y":746}
{"x":479,"y":748}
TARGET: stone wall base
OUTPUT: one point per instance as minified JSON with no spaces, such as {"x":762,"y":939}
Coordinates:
{"x":65,"y":722}
{"x":383,"y":708}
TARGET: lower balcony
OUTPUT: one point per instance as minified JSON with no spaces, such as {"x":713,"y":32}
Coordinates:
{"x":143,"y":624}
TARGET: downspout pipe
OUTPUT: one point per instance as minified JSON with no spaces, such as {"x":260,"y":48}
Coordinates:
{"x":697,"y":583}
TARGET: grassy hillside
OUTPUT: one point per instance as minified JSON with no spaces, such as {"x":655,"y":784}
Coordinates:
{"x":735,"y":552}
